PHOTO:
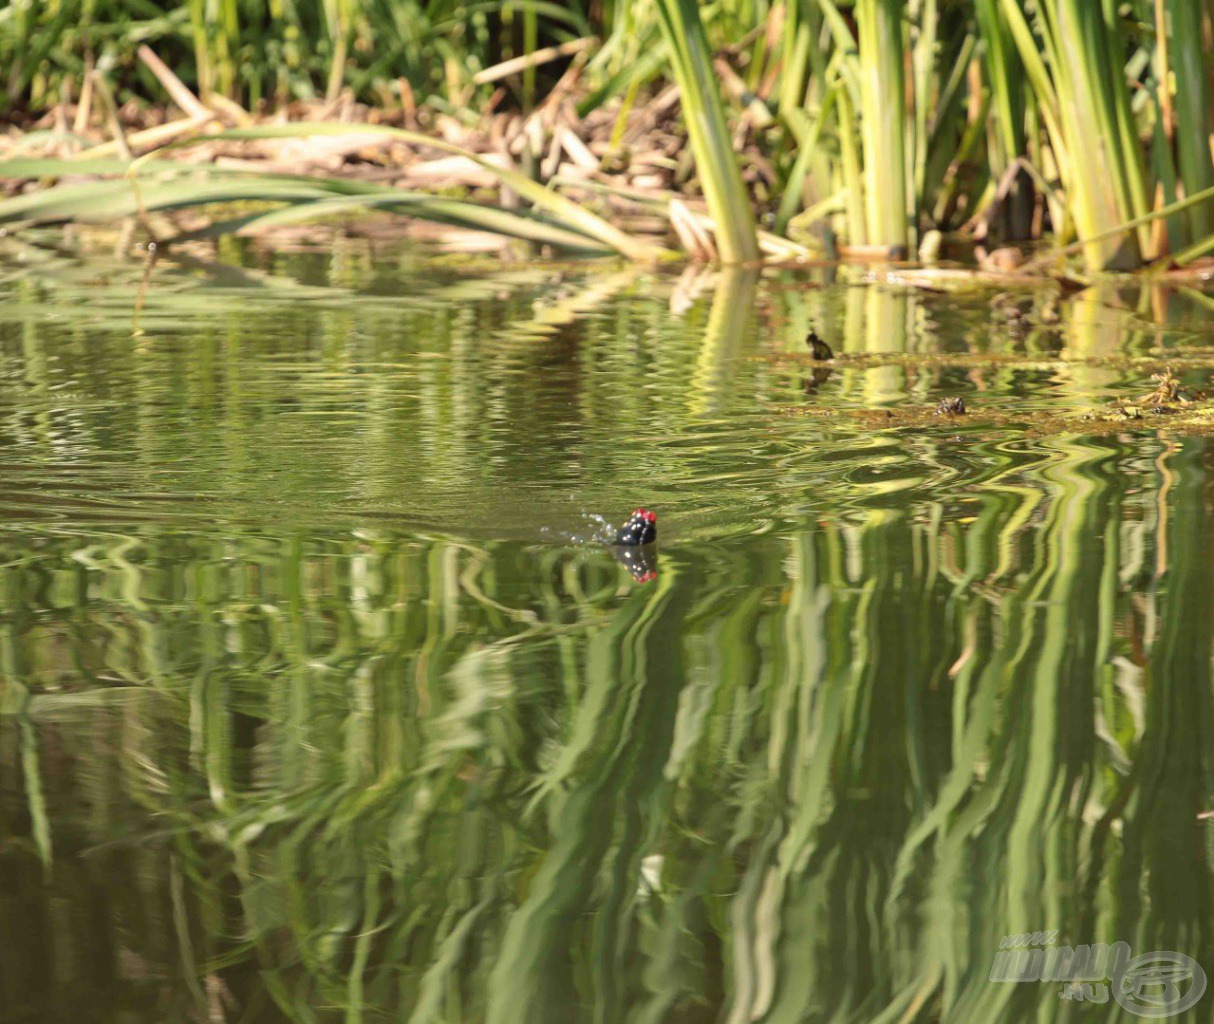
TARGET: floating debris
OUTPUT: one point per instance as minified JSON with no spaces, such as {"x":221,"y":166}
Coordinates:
{"x":1167,"y":390}
{"x":951,"y":407}
{"x":1004,"y":260}
{"x":1166,"y":398}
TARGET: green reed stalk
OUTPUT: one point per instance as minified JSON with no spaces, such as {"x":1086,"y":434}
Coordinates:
{"x":202,"y":54}
{"x":1103,"y":175}
{"x":790,"y":202}
{"x":926,"y":16}
{"x":1005,"y":73}
{"x":883,"y":120}
{"x":852,"y":171}
{"x":795,"y":57}
{"x":1192,"y":110}
{"x":227,"y":35}
{"x":711,"y":144}
{"x":337,"y":17}
{"x":569,"y":214}
{"x":530,"y":44}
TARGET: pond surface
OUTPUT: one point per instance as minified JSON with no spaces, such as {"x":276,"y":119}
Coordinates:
{"x":314,"y":708}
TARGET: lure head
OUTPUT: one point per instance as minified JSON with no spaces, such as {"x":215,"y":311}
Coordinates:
{"x":641,"y":528}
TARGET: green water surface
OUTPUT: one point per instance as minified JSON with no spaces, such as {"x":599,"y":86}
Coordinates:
{"x":313,"y":708}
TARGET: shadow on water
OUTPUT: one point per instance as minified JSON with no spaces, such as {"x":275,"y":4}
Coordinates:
{"x":301,"y":718}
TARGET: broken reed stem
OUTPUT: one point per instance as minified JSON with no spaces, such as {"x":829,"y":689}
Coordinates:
{"x":531,"y":60}
{"x":173,"y":85}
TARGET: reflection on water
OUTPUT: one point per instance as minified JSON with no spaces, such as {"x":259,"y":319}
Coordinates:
{"x":304,"y":717}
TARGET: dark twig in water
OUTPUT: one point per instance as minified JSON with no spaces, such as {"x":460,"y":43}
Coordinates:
{"x":817,"y":347}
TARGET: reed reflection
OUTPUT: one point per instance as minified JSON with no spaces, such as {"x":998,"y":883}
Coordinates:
{"x":304,"y":717}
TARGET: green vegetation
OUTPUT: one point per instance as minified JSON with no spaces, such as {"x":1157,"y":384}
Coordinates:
{"x":691,"y":64}
{"x":869,"y":122}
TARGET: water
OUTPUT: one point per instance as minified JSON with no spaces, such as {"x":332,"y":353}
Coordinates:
{"x":313,"y":709}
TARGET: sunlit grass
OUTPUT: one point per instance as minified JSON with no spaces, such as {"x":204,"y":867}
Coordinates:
{"x":881,"y":119}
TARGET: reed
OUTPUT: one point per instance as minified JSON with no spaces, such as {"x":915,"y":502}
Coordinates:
{"x":558,"y":221}
{"x":1089,"y":123}
{"x":883,"y":121}
{"x":709,"y":134}
{"x":1192,"y":69}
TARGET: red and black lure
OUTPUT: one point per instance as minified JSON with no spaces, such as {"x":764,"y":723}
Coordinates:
{"x":641,"y":528}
